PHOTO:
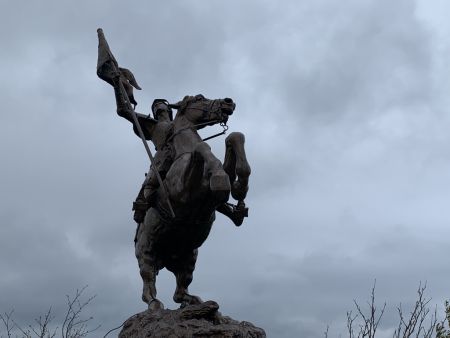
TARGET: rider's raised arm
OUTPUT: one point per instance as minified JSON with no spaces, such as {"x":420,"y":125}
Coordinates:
{"x":148,"y":126}
{"x":147,"y":123}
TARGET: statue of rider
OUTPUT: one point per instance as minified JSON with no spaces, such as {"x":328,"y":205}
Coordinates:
{"x":159,"y":134}
{"x":159,"y":130}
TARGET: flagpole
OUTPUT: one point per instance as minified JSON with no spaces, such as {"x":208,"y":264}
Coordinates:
{"x":133,"y":114}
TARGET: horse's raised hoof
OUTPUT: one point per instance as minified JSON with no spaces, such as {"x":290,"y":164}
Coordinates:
{"x":220,"y":186}
{"x":155,"y":305}
{"x":239,"y":213}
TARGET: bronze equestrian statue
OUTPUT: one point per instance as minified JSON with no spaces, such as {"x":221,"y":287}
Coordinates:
{"x":186,"y":183}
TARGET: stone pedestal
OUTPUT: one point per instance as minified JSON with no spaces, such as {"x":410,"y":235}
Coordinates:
{"x":202,"y":320}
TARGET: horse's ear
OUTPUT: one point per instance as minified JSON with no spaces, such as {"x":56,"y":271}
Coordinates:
{"x":175,"y":105}
{"x":180,"y":105}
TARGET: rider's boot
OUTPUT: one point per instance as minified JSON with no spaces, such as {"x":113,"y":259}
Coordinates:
{"x":147,"y":197}
{"x":150,"y":193}
{"x":151,"y":189}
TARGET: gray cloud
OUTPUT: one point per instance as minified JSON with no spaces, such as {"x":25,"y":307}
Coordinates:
{"x":344,"y":110}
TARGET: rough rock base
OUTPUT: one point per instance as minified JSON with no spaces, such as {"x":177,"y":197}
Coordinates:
{"x":202,"y":320}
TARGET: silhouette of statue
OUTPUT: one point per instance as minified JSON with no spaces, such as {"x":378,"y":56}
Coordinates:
{"x":186,"y":183}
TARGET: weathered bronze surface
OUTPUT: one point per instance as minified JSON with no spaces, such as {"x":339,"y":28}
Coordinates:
{"x":186,"y":183}
{"x":200,"y":320}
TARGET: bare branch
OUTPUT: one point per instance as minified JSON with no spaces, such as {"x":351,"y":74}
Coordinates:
{"x":441,"y":331}
{"x":43,"y":331}
{"x":350,"y":321}
{"x":26,"y":334}
{"x":8,"y":322}
{"x":369,"y":322}
{"x":415,"y":324}
{"x":73,"y":325}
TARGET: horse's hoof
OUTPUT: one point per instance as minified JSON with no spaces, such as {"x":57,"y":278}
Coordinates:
{"x":219,"y":184}
{"x":190,"y":300}
{"x":239,"y":191}
{"x":238,"y":220}
{"x":155,"y":305}
{"x":196,"y":300}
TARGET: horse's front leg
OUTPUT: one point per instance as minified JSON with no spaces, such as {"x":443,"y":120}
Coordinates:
{"x":236,"y":165}
{"x":238,"y":170}
{"x":219,"y":181}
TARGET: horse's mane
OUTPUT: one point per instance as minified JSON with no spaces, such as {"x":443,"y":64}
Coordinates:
{"x":182,"y":105}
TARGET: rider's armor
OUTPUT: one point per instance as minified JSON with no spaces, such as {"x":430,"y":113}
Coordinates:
{"x":159,"y":133}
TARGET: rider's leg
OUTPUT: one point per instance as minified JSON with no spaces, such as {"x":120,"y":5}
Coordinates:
{"x":151,"y":187}
{"x":140,"y":205}
{"x":162,"y":162}
{"x":150,"y":192}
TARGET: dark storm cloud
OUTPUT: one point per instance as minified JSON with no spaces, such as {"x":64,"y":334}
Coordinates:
{"x":343,"y":107}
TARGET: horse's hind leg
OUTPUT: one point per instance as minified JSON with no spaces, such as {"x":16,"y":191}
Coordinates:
{"x":236,"y":165}
{"x":148,"y":265}
{"x":183,"y":269}
{"x":148,"y":274}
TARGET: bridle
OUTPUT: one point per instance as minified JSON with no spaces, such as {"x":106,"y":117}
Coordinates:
{"x":206,"y":115}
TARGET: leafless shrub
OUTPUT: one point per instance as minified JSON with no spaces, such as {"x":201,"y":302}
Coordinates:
{"x":369,"y":321}
{"x":74,"y":324}
{"x":43,"y":328}
{"x":8,"y":323}
{"x":419,"y":322}
{"x":414,"y":326}
{"x":43,"y":323}
{"x":325,"y":334}
{"x":441,"y":330}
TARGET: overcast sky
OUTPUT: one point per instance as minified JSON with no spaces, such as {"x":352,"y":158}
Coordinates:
{"x":345,"y":110}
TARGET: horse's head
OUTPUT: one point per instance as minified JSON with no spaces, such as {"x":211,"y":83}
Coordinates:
{"x":202,"y":111}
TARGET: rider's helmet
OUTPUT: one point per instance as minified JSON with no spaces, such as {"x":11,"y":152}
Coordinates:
{"x":159,"y":106}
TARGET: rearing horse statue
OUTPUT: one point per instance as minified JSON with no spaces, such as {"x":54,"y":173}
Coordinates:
{"x":195,"y":186}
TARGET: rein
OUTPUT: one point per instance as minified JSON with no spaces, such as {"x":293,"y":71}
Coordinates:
{"x":223,"y":132}
{"x":195,"y":127}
